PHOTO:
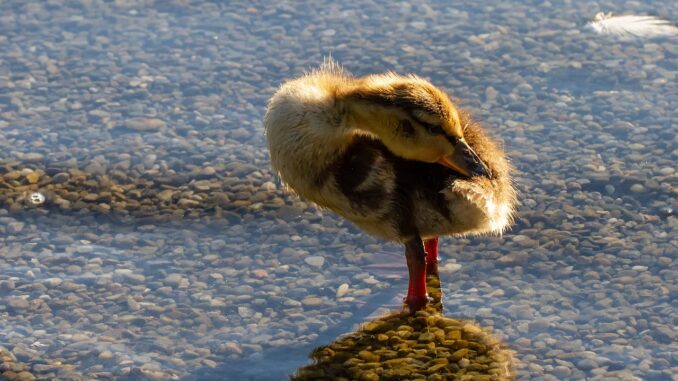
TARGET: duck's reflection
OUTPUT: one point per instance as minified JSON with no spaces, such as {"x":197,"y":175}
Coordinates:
{"x":426,"y":346}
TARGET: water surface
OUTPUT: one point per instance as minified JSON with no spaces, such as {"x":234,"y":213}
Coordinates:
{"x":168,"y":249}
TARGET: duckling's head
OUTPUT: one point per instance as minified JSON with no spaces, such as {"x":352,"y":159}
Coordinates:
{"x":416,"y":121}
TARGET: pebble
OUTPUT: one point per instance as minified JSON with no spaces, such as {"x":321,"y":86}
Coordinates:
{"x":61,"y":178}
{"x":342,"y":290}
{"x":105,"y":355}
{"x":562,"y":371}
{"x":245,"y":312}
{"x":243,"y":290}
{"x":145,"y":124}
{"x":450,"y":268}
{"x":129,"y":276}
{"x":174,"y":280}
{"x":18,"y":304}
{"x":7,"y":285}
{"x":20,"y":376}
{"x":490,"y":94}
{"x":539,"y":325}
{"x":33,"y":177}
{"x":667,"y":171}
{"x":312,"y":301}
{"x":587,"y":364}
{"x":315,"y":261}
{"x":33,"y":157}
{"x":133,"y":305}
{"x":15,"y":227}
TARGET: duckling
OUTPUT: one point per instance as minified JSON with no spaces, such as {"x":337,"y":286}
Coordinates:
{"x":393,"y":155}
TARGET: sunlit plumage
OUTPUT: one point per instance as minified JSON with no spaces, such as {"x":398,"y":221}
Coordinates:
{"x":393,"y":155}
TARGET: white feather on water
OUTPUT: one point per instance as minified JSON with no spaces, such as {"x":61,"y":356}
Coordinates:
{"x":631,"y":25}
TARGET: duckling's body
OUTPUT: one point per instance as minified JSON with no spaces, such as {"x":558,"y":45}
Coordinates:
{"x":370,"y":149}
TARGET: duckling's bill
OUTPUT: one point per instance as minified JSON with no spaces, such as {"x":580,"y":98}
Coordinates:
{"x":465,"y":161}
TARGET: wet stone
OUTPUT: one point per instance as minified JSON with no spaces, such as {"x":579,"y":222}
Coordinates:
{"x":129,"y":276}
{"x":312,"y":301}
{"x":33,"y":157}
{"x":174,"y":280}
{"x":61,"y":178}
{"x":539,"y":325}
{"x":18,"y":376}
{"x":315,"y":261}
{"x":145,"y":124}
{"x":15,"y":227}
{"x":587,"y":364}
{"x":342,"y":290}
{"x":243,"y":290}
{"x":7,"y":285}
{"x":18,"y":304}
{"x":105,"y":355}
{"x":32,"y":177}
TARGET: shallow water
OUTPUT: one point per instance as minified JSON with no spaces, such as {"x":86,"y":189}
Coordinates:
{"x":167,"y":248}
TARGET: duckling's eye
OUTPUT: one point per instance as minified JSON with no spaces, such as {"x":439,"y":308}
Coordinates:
{"x":405,"y":129}
{"x":432,"y":129}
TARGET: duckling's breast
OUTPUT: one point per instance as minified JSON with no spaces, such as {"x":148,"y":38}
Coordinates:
{"x":435,"y":200}
{"x":432,"y":200}
{"x":477,"y":205}
{"x":397,"y":199}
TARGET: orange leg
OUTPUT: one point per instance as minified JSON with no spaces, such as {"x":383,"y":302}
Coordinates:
{"x":416,"y":265}
{"x":432,"y":277}
{"x":431,"y":247}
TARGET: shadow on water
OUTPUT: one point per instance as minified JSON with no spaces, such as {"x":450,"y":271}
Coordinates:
{"x":220,"y":198}
{"x":273,"y":364}
{"x":223,"y":197}
{"x":394,"y":346}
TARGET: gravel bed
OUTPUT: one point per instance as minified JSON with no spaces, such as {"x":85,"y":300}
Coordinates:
{"x":165,"y":248}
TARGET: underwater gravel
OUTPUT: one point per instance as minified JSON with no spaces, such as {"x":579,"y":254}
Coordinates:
{"x":165,"y":247}
{"x":427,"y":346}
